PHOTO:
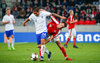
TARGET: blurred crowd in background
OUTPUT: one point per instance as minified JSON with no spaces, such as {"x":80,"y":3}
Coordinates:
{"x":86,"y":11}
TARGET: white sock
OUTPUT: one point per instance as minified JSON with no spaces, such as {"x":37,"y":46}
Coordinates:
{"x":13,"y":40}
{"x":8,"y":41}
{"x":46,"y":50}
{"x":42,"y":50}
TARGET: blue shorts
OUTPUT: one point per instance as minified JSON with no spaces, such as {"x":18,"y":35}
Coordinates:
{"x":9,"y":33}
{"x":40,"y":36}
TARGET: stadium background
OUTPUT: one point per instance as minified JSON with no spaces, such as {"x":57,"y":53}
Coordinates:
{"x":88,"y":31}
{"x":87,"y":12}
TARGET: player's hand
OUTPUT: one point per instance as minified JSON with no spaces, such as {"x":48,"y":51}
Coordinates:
{"x":13,"y":22}
{"x":76,"y":20}
{"x":24,"y":24}
{"x":63,"y":17}
{"x":8,"y":21}
{"x":47,"y":40}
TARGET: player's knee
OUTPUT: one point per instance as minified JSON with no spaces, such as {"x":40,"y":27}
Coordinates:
{"x":43,"y":41}
{"x":8,"y":38}
{"x":12,"y":36}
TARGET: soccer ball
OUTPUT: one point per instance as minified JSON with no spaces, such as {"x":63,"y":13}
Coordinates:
{"x":34,"y":56}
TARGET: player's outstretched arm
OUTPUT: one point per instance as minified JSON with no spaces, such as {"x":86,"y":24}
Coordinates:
{"x":24,"y":23}
{"x":54,"y":14}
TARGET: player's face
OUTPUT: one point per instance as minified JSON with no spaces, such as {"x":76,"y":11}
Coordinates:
{"x":8,"y":12}
{"x":72,"y":13}
{"x":61,"y":25}
{"x":36,"y":13}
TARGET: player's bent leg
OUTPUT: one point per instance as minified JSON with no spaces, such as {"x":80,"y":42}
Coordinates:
{"x":67,"y":41}
{"x":63,"y":50}
{"x":48,"y":53}
{"x":59,"y":44}
{"x":44,"y":49}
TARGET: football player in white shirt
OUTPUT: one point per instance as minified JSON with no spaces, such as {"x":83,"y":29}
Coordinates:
{"x":39,"y":18}
{"x":9,"y":20}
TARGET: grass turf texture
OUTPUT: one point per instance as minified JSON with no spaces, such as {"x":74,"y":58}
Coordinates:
{"x":86,"y":53}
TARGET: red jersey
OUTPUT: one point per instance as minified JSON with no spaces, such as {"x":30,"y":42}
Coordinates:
{"x":52,"y":26}
{"x":71,"y":18}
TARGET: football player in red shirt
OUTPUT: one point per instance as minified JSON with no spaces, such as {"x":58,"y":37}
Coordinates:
{"x":54,"y":28}
{"x":71,"y":29}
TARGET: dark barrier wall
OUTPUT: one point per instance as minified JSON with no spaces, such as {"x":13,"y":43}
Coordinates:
{"x":82,"y":37}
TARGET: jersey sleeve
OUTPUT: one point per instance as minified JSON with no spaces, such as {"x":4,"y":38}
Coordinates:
{"x":31,"y":16}
{"x":46,"y":13}
{"x":55,"y":20}
{"x":4,"y":19}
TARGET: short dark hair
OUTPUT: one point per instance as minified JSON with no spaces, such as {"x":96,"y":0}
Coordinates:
{"x":65,"y":24}
{"x":36,"y":9}
{"x":7,"y":9}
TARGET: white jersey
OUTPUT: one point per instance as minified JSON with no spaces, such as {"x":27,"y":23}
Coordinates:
{"x":8,"y":26}
{"x":40,"y":21}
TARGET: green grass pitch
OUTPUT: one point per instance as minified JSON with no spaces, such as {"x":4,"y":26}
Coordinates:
{"x":86,"y":53}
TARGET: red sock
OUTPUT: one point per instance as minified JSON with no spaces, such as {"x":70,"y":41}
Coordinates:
{"x":40,"y":51}
{"x":63,"y":51}
{"x":74,"y":41}
{"x":67,"y":41}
